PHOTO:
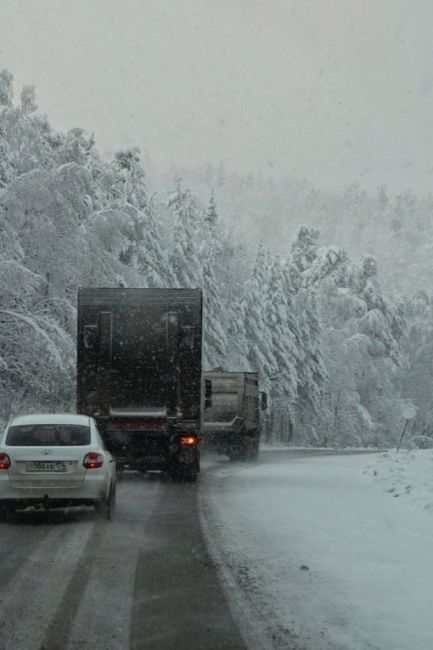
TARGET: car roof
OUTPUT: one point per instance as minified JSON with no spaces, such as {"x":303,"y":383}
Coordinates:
{"x":50,"y":418}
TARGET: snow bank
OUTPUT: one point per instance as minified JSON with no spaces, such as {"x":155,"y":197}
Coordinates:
{"x":405,"y":474}
{"x":314,"y":555}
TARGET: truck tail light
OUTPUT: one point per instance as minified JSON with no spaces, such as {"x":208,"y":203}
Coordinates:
{"x":93,"y":460}
{"x":188,"y":441}
{"x":5,"y":461}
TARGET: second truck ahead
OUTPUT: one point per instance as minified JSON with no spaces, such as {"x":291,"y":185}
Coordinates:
{"x":232,"y":420}
{"x":139,"y":373}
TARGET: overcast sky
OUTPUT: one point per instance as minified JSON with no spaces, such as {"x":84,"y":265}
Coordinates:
{"x":328,"y":90}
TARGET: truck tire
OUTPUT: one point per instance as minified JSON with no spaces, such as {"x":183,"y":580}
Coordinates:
{"x":239,"y":454}
{"x":186,"y":473}
{"x":189,"y":477}
{"x":254,"y":450}
{"x":183,"y":477}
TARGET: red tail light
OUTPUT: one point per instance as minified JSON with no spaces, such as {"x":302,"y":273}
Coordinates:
{"x":188,"y":441}
{"x":93,"y":460}
{"x":5,"y":461}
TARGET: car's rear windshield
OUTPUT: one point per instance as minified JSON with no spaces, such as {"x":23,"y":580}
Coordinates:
{"x":48,"y":435}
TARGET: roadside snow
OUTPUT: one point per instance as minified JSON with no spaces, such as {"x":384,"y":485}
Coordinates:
{"x":405,"y":474}
{"x":314,"y":556}
{"x":271,"y":446}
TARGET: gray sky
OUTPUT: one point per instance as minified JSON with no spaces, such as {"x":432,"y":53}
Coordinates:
{"x":329,"y":90}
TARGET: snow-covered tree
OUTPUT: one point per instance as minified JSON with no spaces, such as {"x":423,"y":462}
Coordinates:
{"x":215,"y":337}
{"x":328,"y":341}
{"x":185,"y":225}
{"x":28,"y":99}
{"x":142,"y":248}
{"x":257,"y":334}
{"x":312,"y":373}
{"x":305,"y":247}
{"x":6,"y":88}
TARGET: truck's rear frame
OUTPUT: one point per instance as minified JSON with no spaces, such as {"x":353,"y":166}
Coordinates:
{"x":139,"y":373}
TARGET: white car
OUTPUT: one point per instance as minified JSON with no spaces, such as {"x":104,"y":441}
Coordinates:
{"x":53,"y":461}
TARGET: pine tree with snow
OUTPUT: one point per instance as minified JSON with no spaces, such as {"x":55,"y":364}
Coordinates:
{"x":383,"y":322}
{"x":286,"y":345}
{"x":215,"y":337}
{"x":257,"y":333}
{"x":185,"y":226}
{"x":142,"y":249}
{"x":312,"y":373}
{"x":28,"y":100}
{"x":304,"y":248}
{"x":6,"y":88}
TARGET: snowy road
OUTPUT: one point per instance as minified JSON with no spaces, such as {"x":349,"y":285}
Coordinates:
{"x":316,"y":556}
{"x":218,"y":565}
{"x":142,"y":581}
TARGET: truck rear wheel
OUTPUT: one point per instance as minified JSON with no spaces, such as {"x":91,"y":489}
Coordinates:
{"x":186,"y":472}
{"x":254,"y":450}
{"x":249,"y":451}
{"x":238,"y":454}
{"x":184,"y":477}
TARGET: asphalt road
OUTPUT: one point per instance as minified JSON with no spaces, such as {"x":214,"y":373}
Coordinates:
{"x":144,"y":580}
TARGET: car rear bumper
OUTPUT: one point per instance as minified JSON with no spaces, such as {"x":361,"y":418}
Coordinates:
{"x":46,"y":502}
{"x":92,"y":488}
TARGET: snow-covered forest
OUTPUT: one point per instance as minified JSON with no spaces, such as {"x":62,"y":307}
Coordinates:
{"x":394,"y":228}
{"x":339,"y":354}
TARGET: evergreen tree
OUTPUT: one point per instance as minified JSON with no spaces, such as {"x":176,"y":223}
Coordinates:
{"x":142,"y":249}
{"x":185,"y":225}
{"x":28,"y":99}
{"x":304,"y":248}
{"x":286,"y":347}
{"x":215,"y":339}
{"x":6,"y":88}
{"x":383,"y":322}
{"x":312,"y":373}
{"x":257,"y":334}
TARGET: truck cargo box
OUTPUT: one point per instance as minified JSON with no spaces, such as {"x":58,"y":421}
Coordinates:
{"x":139,"y":373}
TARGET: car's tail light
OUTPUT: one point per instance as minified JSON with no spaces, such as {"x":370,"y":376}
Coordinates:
{"x":188,"y":441}
{"x":93,"y":460}
{"x":5,"y":461}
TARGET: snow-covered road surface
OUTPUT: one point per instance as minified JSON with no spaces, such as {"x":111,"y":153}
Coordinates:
{"x":143,"y":581}
{"x":316,"y":556}
{"x":297,"y":551}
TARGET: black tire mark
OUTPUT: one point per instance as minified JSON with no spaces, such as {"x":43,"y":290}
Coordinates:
{"x":21,"y":534}
{"x":179,"y":603}
{"x":56,"y":637}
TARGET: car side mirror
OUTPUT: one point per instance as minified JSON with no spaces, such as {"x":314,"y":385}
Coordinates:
{"x":264,"y":400}
{"x":207,"y":393}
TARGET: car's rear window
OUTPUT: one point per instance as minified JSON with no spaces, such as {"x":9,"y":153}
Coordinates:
{"x":48,"y":435}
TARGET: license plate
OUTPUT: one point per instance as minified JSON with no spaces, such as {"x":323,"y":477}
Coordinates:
{"x":46,"y":466}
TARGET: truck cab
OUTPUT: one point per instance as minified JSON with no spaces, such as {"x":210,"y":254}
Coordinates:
{"x":232,"y":414}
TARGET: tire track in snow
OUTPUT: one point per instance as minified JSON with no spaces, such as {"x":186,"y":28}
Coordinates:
{"x":56,"y":636}
{"x":256,"y":636}
{"x":179,"y":603}
{"x":16,"y":547}
{"x":31,"y":598}
{"x":103,"y":617}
